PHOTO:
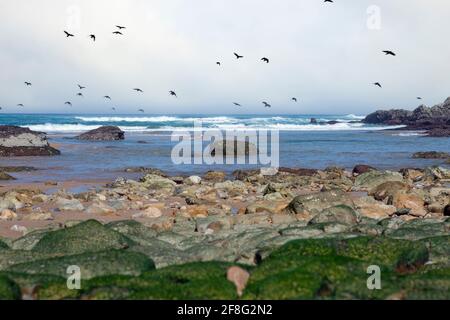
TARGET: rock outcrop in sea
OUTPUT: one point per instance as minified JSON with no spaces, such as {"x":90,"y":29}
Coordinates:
{"x":105,"y":133}
{"x":17,"y":141}
{"x":436,"y":120}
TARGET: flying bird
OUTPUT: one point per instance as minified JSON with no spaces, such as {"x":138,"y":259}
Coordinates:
{"x":28,"y":84}
{"x":266,"y":60}
{"x":107,"y":97}
{"x":138,"y":90}
{"x":92,"y":36}
{"x":266,"y":104}
{"x":120,"y":27}
{"x":118,"y":32}
{"x":68,"y":35}
{"x":237,"y":104}
{"x":81,"y":87}
{"x":79,"y":94}
{"x":173,"y":93}
{"x":389,"y":53}
{"x":113,"y":108}
{"x":294,"y":99}
{"x":68,"y":103}
{"x":329,"y":1}
{"x":218,"y":63}
{"x":238,"y":56}
{"x":378,"y":84}
{"x":20,"y":105}
{"x":141,"y":110}
{"x":419,"y":98}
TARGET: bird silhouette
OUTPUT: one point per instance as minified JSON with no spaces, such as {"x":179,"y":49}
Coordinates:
{"x":28,"y":84}
{"x":267,"y":105}
{"x":92,"y":36}
{"x":107,"y":97}
{"x":20,"y":105}
{"x":118,"y":32}
{"x":266,"y":60}
{"x":120,"y":27}
{"x":238,"y":56}
{"x":141,"y":110}
{"x":79,"y":94}
{"x":81,"y":87}
{"x":294,"y":99}
{"x":329,"y":1}
{"x":114,"y":109}
{"x":173,"y":93}
{"x":237,"y":104}
{"x":389,"y":53}
{"x":68,"y":35}
{"x":419,"y":98}
{"x":218,"y":63}
{"x":138,"y":90}
{"x":1,"y":108}
{"x":68,"y":103}
{"x":378,"y":84}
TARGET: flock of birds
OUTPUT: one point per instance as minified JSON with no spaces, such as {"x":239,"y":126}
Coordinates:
{"x":119,"y":32}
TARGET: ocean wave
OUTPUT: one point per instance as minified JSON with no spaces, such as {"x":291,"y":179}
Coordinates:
{"x":73,"y":128}
{"x":155,"y":119}
{"x":354,"y":117}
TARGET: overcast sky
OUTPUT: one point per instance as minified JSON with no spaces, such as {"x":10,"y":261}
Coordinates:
{"x":326,"y":55}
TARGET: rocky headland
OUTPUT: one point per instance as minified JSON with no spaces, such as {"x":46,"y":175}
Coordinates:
{"x":434,"y":120}
{"x":299,"y":234}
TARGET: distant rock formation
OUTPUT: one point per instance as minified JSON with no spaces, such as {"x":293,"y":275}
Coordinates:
{"x":105,"y":133}
{"x":435,"y":119}
{"x":17,"y":141}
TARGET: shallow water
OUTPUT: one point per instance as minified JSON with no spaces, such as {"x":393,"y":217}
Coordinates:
{"x":148,"y":144}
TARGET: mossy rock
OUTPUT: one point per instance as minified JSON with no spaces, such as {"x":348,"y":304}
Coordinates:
{"x":377,"y":251}
{"x":28,"y":241}
{"x":92,"y":264}
{"x":201,"y":280}
{"x":9,"y":290}
{"x":133,"y":230}
{"x":45,"y":287}
{"x":88,"y":236}
{"x":3,"y":245}
{"x":439,"y":249}
{"x":12,"y":257}
{"x":429,"y":285}
{"x":419,"y":231}
{"x":303,"y":277}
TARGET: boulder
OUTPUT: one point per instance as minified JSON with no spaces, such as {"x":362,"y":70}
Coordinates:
{"x":17,"y":141}
{"x":362,"y":168}
{"x":233,"y":148}
{"x":372,"y":179}
{"x":105,"y":133}
{"x":388,"y":189}
{"x":339,"y":214}
{"x":319,"y":201}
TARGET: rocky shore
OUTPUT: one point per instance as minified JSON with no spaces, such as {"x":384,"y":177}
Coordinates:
{"x":434,"y":120}
{"x":300,"y":234}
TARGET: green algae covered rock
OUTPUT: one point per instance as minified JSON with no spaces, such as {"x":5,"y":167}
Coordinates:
{"x":200,"y":280}
{"x":9,"y":290}
{"x":3,"y":245}
{"x":88,"y":236}
{"x":92,"y":264}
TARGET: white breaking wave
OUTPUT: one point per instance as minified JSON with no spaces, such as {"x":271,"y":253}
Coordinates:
{"x":154,"y":119}
{"x":72,"y":128}
{"x":355,"y":117}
